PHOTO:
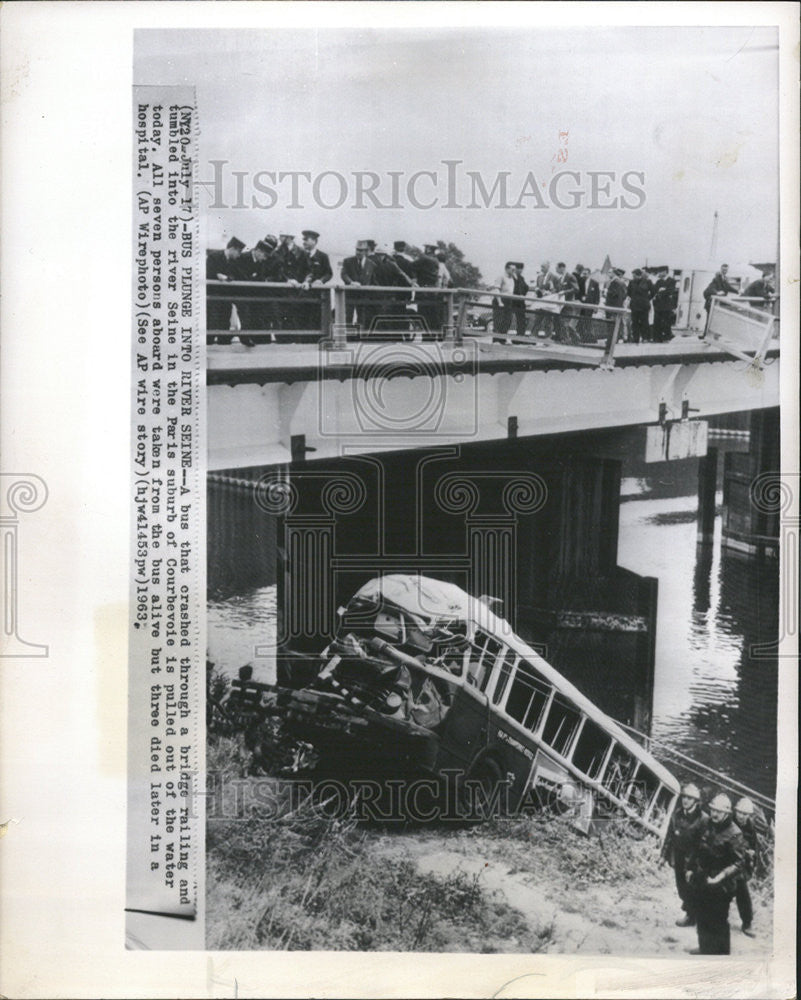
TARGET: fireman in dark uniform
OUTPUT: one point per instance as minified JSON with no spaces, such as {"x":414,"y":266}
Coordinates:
{"x":253,"y":265}
{"x":717,"y":865}
{"x":751,"y":824}
{"x":221,"y":265}
{"x":684,"y":832}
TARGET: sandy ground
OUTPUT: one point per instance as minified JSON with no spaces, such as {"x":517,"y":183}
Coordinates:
{"x":627,"y":919}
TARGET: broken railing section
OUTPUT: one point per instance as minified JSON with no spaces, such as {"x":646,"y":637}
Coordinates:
{"x":745,"y":328}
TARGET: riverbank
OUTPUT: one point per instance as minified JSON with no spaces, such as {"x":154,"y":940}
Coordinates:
{"x":282,"y":875}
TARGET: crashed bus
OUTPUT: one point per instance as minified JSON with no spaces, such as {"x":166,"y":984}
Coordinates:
{"x":424,"y":679}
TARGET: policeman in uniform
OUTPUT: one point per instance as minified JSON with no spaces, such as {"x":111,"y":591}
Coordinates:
{"x":717,"y":864}
{"x":665,"y":300}
{"x":681,"y":840}
{"x":221,"y":265}
{"x":287,"y":267}
{"x":749,"y":822}
{"x":314,"y":269}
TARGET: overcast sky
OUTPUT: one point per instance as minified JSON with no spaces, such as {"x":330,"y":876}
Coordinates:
{"x":694,"y":109}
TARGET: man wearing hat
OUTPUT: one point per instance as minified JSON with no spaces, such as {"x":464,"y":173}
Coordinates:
{"x":402,"y":259}
{"x":519,"y":307}
{"x":665,"y":299}
{"x":714,"y":869}
{"x":681,"y":840}
{"x":221,"y":265}
{"x":254,"y":265}
{"x":359,"y":270}
{"x":639,"y":292}
{"x":314,"y":269}
{"x":286,"y":260}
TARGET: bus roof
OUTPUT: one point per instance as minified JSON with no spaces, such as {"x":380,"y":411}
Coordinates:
{"x":437,"y":601}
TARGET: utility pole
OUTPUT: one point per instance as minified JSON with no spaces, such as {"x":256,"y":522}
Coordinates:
{"x":713,"y":250}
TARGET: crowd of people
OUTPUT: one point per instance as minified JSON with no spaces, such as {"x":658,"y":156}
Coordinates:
{"x":578,"y":305}
{"x":714,"y":851}
{"x":301,"y":269}
{"x":580,"y":288}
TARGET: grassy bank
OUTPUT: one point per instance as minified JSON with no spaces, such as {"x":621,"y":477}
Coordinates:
{"x":282,"y":875}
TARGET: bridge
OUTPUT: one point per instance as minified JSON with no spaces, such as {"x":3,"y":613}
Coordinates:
{"x":478,"y":438}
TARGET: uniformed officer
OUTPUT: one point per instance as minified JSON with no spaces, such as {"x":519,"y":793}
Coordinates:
{"x":681,"y":840}
{"x":714,"y":869}
{"x":314,"y":270}
{"x":665,"y":300}
{"x":287,"y":265}
{"x":221,"y":265}
{"x":749,"y":822}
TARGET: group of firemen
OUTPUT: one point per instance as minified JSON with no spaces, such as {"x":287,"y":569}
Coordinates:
{"x":303,"y":268}
{"x":714,"y":850}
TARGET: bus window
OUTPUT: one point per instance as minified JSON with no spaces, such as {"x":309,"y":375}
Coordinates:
{"x":561,"y":725}
{"x":503,"y":676}
{"x":664,"y":800}
{"x":528,"y":696}
{"x":482,"y":659}
{"x":643,"y":789}
{"x":619,"y":771}
{"x":591,"y":749}
{"x":390,"y":624}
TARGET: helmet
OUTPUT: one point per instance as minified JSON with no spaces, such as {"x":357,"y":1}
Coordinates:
{"x":745,"y":806}
{"x":691,"y":792}
{"x":721,"y":803}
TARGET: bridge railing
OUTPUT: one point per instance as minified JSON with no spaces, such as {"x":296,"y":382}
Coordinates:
{"x":267,"y":311}
{"x":521,"y":319}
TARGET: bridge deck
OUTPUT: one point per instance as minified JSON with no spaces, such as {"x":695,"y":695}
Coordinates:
{"x":304,"y":362}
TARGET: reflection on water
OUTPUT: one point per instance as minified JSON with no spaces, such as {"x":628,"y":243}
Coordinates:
{"x":713,"y":699}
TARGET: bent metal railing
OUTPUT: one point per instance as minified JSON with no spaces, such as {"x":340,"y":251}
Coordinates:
{"x":333,"y":315}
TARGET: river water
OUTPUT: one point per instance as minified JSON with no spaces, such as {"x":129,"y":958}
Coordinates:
{"x":714,"y":695}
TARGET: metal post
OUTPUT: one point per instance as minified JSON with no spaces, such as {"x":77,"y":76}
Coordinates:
{"x":462,"y":317}
{"x":609,"y":353}
{"x":325,"y":314}
{"x":339,"y":340}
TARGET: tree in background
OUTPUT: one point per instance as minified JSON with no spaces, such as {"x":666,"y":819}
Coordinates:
{"x":463,"y":273}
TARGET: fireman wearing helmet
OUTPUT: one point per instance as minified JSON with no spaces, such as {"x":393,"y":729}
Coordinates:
{"x":680,"y":842}
{"x":749,"y":822}
{"x":718,"y":863}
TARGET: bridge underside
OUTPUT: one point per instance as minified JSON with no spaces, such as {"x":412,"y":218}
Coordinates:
{"x":287,"y":403}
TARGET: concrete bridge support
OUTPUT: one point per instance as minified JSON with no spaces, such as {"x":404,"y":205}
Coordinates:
{"x":750,"y":515}
{"x":530,"y":522}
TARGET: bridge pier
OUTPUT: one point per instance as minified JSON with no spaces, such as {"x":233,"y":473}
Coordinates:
{"x":750,"y":521}
{"x":533,"y":522}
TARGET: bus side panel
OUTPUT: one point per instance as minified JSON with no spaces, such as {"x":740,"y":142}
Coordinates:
{"x":464,"y":730}
{"x":515,"y":757}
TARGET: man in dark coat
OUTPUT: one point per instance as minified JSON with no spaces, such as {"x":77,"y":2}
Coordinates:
{"x":717,"y":864}
{"x":254,"y":265}
{"x":665,"y":300}
{"x":426,"y":272}
{"x":519,"y":307}
{"x":681,"y":841}
{"x":592,"y":290}
{"x":287,"y":266}
{"x":763,"y":289}
{"x":719,"y":285}
{"x":314,"y":270}
{"x":359,"y":270}
{"x":403,"y":260}
{"x":221,"y":265}
{"x":639,"y":293}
